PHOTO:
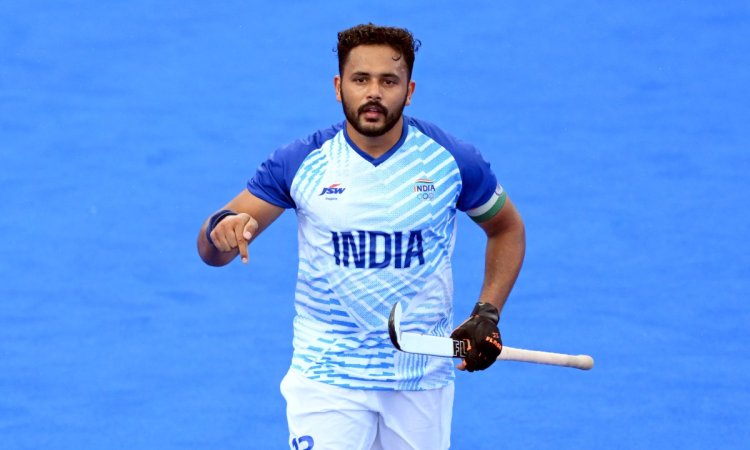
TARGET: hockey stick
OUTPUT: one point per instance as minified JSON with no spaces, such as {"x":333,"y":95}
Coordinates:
{"x":447,"y":347}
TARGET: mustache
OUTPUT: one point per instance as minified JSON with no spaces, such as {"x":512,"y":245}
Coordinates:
{"x":377,"y":105}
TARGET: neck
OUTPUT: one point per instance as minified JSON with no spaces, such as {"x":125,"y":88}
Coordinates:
{"x":378,"y":145}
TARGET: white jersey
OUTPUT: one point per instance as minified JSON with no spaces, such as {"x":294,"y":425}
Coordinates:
{"x":373,"y":232}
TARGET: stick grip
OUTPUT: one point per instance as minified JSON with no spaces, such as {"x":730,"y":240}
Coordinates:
{"x":583,"y":362}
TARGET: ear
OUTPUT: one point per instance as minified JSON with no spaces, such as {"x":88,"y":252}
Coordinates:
{"x":410,"y":91}
{"x":337,"y":86}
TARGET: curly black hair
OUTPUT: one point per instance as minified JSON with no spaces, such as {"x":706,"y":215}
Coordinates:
{"x":400,"y":39}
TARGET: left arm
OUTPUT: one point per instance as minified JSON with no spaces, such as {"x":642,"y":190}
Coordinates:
{"x":506,"y":246}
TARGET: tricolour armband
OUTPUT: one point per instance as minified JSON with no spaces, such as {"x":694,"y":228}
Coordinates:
{"x":491,"y":207}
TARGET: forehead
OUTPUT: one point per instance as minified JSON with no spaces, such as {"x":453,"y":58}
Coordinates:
{"x":375,"y":59}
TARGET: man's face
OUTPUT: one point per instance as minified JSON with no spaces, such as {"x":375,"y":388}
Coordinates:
{"x":374,"y":88}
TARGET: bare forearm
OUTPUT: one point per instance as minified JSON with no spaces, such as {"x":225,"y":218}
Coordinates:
{"x":506,"y":247}
{"x":503,"y":261}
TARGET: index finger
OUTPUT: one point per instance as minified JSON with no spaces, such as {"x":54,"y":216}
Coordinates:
{"x":249,"y":228}
{"x":242,"y":247}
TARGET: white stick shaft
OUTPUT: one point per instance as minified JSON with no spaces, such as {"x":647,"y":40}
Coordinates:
{"x":584,"y":362}
{"x":447,"y":347}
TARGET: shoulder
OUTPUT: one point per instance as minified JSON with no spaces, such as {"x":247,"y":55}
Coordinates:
{"x":273,"y":178}
{"x":478,"y":180}
{"x":435,"y":132}
{"x":461,"y":150}
{"x":296,"y":151}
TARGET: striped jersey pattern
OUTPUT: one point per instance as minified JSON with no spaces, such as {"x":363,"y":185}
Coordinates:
{"x":373,"y":232}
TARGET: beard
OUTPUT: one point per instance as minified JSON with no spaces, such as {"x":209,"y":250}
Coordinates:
{"x":369,"y":129}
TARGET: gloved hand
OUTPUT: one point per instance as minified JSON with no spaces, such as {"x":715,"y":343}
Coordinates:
{"x":482,"y":337}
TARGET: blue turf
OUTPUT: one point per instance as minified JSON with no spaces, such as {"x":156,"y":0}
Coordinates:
{"x":619,"y":129}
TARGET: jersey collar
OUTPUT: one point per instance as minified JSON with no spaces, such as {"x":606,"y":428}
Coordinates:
{"x":382,"y":158}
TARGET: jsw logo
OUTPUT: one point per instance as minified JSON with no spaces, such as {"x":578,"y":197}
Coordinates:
{"x":333,"y":189}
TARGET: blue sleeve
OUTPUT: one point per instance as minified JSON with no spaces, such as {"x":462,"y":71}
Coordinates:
{"x":272,"y":181}
{"x":477,"y":179}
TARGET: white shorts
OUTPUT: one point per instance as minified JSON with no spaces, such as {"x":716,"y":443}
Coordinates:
{"x":327,"y":417}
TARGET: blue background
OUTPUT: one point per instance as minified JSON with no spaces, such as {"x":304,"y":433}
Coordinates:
{"x":620,"y":129}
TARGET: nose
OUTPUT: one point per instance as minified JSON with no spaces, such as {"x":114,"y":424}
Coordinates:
{"x":373,"y":91}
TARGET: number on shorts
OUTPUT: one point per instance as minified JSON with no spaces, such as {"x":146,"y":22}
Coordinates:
{"x":303,"y":443}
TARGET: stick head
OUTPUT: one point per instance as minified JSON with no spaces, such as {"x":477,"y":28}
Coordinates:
{"x":394,"y":325}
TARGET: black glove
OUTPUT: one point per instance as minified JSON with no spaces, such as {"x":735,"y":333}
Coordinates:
{"x":482,"y":337}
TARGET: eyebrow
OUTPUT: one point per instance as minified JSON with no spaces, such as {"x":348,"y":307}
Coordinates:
{"x":382,"y":75}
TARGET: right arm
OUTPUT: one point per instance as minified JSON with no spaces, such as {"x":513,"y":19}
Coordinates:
{"x":232,"y":234}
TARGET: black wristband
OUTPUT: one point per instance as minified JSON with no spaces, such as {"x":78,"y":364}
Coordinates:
{"x":214,"y":220}
{"x":486,"y":310}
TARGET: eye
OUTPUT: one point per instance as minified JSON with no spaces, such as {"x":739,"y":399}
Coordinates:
{"x":360,"y":80}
